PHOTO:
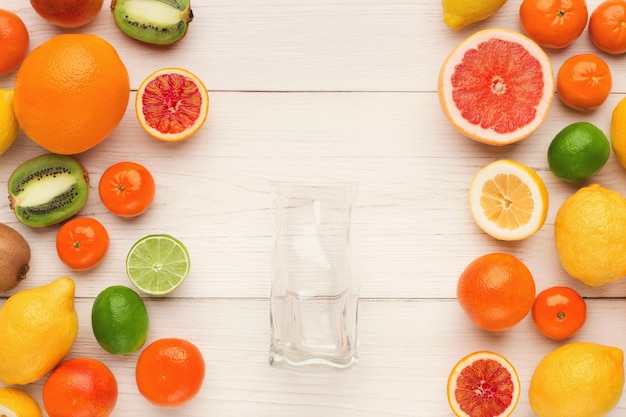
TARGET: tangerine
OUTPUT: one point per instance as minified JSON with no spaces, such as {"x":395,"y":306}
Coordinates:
{"x":496,"y":86}
{"x":71,"y":92}
{"x":553,"y":23}
{"x":584,"y":81}
{"x":170,"y":372}
{"x":496,"y":291}
{"x":559,"y":312}
{"x":607,"y":26}
{"x":14,"y":39}
{"x":80,"y":387}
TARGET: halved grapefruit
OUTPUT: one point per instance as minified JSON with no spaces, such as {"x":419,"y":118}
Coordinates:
{"x":496,"y":86}
{"x":172,"y":104}
{"x":483,"y":384}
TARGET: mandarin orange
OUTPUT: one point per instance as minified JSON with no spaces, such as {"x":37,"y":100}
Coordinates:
{"x":14,"y":39}
{"x":607,"y":26}
{"x":584,"y":81}
{"x":554,"y":23}
{"x":170,"y":372}
{"x":71,"y":92}
{"x":496,"y":291}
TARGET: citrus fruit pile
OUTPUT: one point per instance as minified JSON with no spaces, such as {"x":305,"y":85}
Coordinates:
{"x":70,"y":94}
{"x":496,"y":87}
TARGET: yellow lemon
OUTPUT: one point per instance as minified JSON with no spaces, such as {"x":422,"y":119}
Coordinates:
{"x":17,"y":403}
{"x":578,"y":379}
{"x":38,"y":328}
{"x":8,"y":121}
{"x":618,"y":132}
{"x":459,"y":13}
{"x":590,"y":235}
{"x":508,"y":200}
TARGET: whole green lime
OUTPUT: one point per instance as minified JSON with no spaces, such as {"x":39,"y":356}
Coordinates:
{"x":578,"y":151}
{"x":119,"y":320}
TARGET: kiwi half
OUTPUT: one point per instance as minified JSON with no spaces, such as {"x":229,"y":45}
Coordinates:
{"x":160,"y":22}
{"x":48,"y":189}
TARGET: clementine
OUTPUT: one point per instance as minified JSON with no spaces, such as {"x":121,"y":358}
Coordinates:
{"x":71,"y":92}
{"x":14,"y":39}
{"x":80,"y":387}
{"x":607,"y":26}
{"x":496,"y":291}
{"x":584,"y":81}
{"x":559,"y":312}
{"x":170,"y":372}
{"x":553,"y":23}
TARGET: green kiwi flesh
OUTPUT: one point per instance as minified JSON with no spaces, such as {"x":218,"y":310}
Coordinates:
{"x":14,"y":257}
{"x":160,"y":22}
{"x":48,"y":189}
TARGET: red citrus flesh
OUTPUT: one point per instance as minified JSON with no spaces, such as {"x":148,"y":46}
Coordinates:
{"x":496,"y":86}
{"x":483,"y":384}
{"x":172,"y":104}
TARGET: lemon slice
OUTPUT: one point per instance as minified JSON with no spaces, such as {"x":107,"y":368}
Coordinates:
{"x":508,"y":200}
{"x":157,"y":264}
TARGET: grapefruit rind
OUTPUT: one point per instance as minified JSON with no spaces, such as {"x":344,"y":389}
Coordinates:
{"x":190,"y":130}
{"x":467,"y":361}
{"x":487,"y":134}
{"x":536,"y":191}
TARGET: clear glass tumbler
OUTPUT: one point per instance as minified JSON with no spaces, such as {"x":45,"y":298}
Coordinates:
{"x":314,"y":295}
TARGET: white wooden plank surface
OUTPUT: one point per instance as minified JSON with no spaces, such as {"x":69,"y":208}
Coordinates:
{"x":319,"y":90}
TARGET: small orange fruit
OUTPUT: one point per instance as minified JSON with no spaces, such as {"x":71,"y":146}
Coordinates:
{"x":559,"y":312}
{"x":496,"y":86}
{"x":170,"y":372}
{"x":14,"y":39}
{"x":71,"y":92}
{"x":172,"y":104}
{"x":554,"y":23}
{"x":496,"y":291}
{"x":483,"y":384}
{"x":607,"y":26}
{"x":584,"y":81}
{"x":80,"y":387}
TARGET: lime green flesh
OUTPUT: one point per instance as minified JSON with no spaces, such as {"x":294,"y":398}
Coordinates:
{"x":119,"y":320}
{"x":157,"y":264}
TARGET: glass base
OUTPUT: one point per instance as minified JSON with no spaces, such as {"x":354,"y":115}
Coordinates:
{"x":299,"y":361}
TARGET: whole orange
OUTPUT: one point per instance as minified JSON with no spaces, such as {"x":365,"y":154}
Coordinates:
{"x":170,"y":372}
{"x":14,"y":39}
{"x":496,"y":291}
{"x":607,"y":26}
{"x":584,"y":81}
{"x":68,"y":13}
{"x":553,"y":23}
{"x":80,"y":387}
{"x":71,"y":92}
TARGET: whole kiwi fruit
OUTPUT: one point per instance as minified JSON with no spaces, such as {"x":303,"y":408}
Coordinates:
{"x":14,"y":257}
{"x":48,"y":189}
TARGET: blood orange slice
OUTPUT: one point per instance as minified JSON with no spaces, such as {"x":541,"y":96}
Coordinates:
{"x":172,"y":104}
{"x":496,"y":86}
{"x":483,"y":384}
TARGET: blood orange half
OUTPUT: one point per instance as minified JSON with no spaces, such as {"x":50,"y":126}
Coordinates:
{"x":483,"y":384}
{"x":496,"y":86}
{"x":172,"y":104}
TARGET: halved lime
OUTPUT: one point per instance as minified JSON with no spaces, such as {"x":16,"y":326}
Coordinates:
{"x":157,"y":264}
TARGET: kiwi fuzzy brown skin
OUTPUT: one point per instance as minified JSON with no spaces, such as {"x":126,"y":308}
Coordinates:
{"x":48,"y":189}
{"x":138,"y":23}
{"x":14,"y":257}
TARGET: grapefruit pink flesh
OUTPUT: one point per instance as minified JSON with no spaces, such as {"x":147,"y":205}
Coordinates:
{"x":496,"y":86}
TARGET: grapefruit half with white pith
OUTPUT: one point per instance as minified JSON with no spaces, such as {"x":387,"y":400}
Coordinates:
{"x":496,"y":86}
